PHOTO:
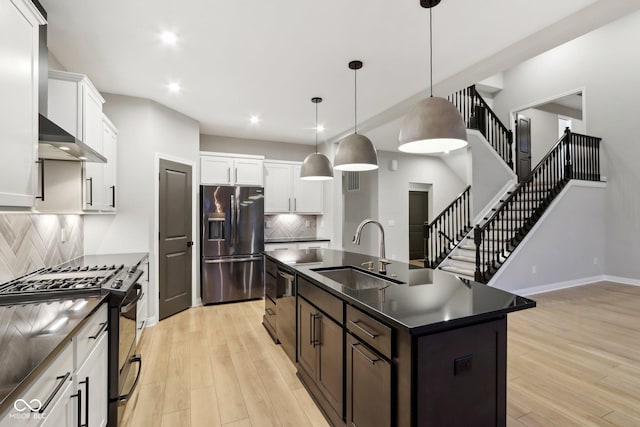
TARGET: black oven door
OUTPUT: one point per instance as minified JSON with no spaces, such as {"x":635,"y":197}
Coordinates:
{"x":128,"y":375}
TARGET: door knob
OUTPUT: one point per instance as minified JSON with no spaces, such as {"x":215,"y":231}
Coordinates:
{"x":189,"y":243}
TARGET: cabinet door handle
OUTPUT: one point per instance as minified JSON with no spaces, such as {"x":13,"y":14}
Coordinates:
{"x":90,"y":180}
{"x":295,"y":204}
{"x":79,"y":414}
{"x":113,"y":196}
{"x":61,"y":380}
{"x":41,"y":196}
{"x":289,"y":205}
{"x":355,"y":347}
{"x":103,"y":326}
{"x":367,"y":333}
{"x":86,"y":402}
{"x":312,"y":329}
{"x":235,"y":180}
{"x":316,"y":334}
{"x":228,"y":175}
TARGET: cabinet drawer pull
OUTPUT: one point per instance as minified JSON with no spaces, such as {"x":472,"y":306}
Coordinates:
{"x":270,"y":312}
{"x":228,"y":175}
{"x":355,"y":347}
{"x":103,"y":326}
{"x":367,"y":333}
{"x":55,"y":391}
{"x":86,"y":403}
{"x":79,"y":413}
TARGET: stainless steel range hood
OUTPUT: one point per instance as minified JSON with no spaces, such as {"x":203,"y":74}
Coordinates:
{"x":56,"y":143}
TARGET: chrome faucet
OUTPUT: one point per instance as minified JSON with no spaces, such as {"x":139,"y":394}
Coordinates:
{"x":382,"y":261}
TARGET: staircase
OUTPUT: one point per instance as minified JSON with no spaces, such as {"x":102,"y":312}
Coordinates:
{"x":476,"y":254}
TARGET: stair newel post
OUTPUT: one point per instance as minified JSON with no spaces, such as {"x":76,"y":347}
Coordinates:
{"x":468,"y":198}
{"x":477,"y":239}
{"x":568,"y":167}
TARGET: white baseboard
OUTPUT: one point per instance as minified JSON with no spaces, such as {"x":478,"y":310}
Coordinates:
{"x":576,"y":282}
{"x":557,"y":286}
{"x":623,"y":280}
{"x":151,"y":321}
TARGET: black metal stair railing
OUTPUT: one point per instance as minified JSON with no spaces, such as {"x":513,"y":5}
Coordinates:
{"x":574,"y":156}
{"x":443,"y":233}
{"x":478,"y":115}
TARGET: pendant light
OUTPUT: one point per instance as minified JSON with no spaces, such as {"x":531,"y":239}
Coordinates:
{"x":433,"y":125}
{"x":355,"y":152}
{"x":316,"y":167}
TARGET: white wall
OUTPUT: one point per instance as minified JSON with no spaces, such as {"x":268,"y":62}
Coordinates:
{"x":272,"y":150}
{"x":609,"y":75}
{"x":146,"y":129}
{"x":564,"y":247}
{"x":393,"y":199}
{"x":490,"y":174}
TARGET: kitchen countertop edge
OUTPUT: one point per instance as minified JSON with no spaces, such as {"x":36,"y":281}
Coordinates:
{"x":295,"y":239}
{"x":413,"y":330}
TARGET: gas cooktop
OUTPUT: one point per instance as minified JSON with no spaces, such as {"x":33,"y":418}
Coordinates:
{"x":65,"y":280}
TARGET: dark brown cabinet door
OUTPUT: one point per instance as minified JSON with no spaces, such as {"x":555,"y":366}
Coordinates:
{"x":330,"y":362}
{"x":307,"y":354}
{"x":368,"y":386}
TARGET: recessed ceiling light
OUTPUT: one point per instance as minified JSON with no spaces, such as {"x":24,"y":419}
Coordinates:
{"x":63,"y":148}
{"x":320,"y":128}
{"x":254,"y":120}
{"x":174,"y":87}
{"x":83,"y":158}
{"x":168,"y":37}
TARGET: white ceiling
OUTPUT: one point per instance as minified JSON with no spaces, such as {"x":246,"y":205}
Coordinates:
{"x":235,"y":58}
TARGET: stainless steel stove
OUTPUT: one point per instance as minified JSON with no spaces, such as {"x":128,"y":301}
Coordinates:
{"x":73,"y":279}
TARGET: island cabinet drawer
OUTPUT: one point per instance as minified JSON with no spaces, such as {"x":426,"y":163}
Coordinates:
{"x":270,"y":267}
{"x":322,"y":299}
{"x":91,"y":333}
{"x":369,"y":330}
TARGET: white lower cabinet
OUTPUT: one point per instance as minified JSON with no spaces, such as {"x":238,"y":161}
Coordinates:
{"x":91,"y":383}
{"x":74,"y":383}
{"x":62,"y":414}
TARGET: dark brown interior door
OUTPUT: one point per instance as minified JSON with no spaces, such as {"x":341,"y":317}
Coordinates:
{"x":175,"y":238}
{"x":418,"y":215}
{"x":523,"y":146}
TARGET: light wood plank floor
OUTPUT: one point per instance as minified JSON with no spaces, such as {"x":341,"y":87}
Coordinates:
{"x":573,"y":361}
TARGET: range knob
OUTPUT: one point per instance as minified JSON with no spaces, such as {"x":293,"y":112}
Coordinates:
{"x":118,"y":283}
{"x":131,"y":269}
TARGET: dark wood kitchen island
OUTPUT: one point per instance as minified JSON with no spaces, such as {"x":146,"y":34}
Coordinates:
{"x":421,"y":348}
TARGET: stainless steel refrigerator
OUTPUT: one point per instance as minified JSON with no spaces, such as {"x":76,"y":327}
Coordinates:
{"x":232,"y":225}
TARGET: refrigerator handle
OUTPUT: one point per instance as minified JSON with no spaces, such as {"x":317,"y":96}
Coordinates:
{"x":232,"y":204}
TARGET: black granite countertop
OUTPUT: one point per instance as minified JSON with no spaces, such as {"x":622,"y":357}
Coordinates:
{"x":27,"y":344}
{"x":128,"y":260}
{"x":426,"y":301}
{"x":295,"y":239}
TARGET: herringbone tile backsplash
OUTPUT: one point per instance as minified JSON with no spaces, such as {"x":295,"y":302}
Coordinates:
{"x":288,"y":225}
{"x":30,"y":242}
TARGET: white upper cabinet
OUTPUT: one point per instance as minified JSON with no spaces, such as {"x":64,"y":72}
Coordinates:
{"x":285,"y":192}
{"x":307,"y":195}
{"x":19,"y":21}
{"x":230,"y":170}
{"x":109,"y":147}
{"x":76,"y":105}
{"x":278,"y":188}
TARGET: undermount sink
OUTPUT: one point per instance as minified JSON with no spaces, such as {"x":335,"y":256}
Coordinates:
{"x":355,"y":278}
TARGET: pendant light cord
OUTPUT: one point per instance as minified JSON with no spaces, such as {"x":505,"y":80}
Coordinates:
{"x":431,"y":52}
{"x":316,"y":128}
{"x":355,"y":103}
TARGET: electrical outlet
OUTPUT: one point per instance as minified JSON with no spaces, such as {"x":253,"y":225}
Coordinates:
{"x":392,"y":223}
{"x":534,"y":269}
{"x":267,"y":224}
{"x":307,"y":223}
{"x":595,"y":261}
{"x":62,"y":236}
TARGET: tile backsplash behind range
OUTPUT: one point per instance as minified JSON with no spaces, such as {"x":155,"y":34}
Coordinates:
{"x":289,"y":225}
{"x":30,"y":242}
